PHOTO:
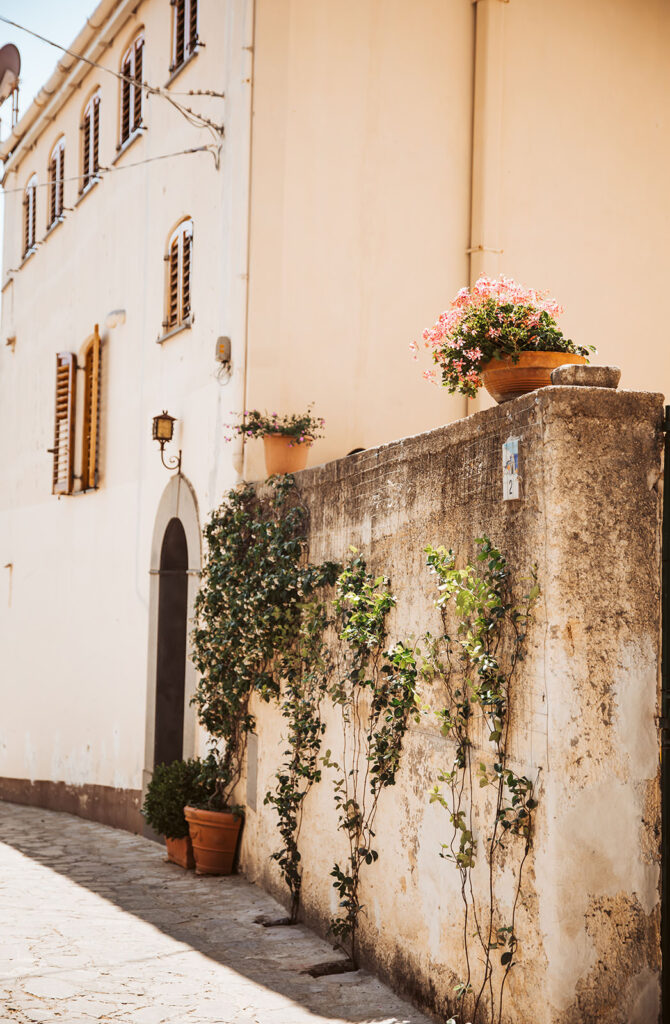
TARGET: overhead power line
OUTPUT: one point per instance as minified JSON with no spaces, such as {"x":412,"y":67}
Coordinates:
{"x":102,"y":171}
{"x":193,"y":117}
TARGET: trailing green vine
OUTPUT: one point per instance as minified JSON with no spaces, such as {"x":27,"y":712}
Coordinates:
{"x":249,"y":607}
{"x":476,"y":667}
{"x":376,"y":695}
{"x":302,"y":667}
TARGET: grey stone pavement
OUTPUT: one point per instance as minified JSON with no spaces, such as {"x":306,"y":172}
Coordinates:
{"x":96,"y":926}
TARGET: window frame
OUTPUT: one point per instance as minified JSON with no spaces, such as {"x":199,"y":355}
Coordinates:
{"x":56,"y":186}
{"x":190,"y":30}
{"x":91,"y":365}
{"x":133,"y":89}
{"x":90,"y":137}
{"x":184,"y":280}
{"x":30,"y":216}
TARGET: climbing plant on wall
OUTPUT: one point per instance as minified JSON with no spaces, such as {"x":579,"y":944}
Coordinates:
{"x":302,"y":667}
{"x":476,"y":667}
{"x":249,"y":607}
{"x":375,"y":693}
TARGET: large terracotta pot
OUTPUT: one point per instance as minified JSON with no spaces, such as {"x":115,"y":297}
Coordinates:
{"x":214,"y":836}
{"x":180,"y":851}
{"x":504,"y":379}
{"x":283,"y":454}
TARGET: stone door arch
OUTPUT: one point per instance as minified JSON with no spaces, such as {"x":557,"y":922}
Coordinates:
{"x":174,"y":577}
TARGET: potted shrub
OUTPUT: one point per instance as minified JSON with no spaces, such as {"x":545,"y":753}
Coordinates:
{"x":501,"y":335}
{"x":173,"y":786}
{"x":286,"y":439}
{"x":214,"y":825}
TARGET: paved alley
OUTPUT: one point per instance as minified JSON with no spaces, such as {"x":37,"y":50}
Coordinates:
{"x":96,"y":926}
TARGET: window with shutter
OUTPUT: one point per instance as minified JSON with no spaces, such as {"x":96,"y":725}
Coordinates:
{"x":131,"y":90}
{"x":91,"y":429}
{"x":137,"y":75}
{"x":178,"y":287}
{"x":192,"y":25}
{"x":90,"y":135}
{"x":63,"y":449}
{"x":30,"y":216}
{"x":56,"y":181}
{"x":184,"y":30}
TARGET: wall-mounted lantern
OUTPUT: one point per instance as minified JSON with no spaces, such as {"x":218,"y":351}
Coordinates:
{"x":163,"y":432}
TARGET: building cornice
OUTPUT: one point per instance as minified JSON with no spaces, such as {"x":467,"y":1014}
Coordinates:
{"x":95,"y":38}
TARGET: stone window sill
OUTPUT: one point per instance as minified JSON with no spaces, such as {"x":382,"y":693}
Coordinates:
{"x":185,"y":326}
{"x":87,"y":191}
{"x":175,"y":72}
{"x":124,"y":146}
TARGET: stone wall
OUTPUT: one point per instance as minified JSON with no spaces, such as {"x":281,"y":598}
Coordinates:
{"x":588,"y":516}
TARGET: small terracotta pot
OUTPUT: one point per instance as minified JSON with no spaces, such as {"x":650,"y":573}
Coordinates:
{"x":180,"y":851}
{"x":214,"y":835}
{"x":504,"y":379}
{"x":283,"y":454}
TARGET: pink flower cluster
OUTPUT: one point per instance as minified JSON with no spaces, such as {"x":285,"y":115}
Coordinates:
{"x":479,"y":321}
{"x":504,"y":291}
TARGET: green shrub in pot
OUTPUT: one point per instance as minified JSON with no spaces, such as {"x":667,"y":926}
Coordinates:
{"x":172,"y":787}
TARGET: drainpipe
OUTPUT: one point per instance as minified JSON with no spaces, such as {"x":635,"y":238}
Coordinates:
{"x":240,"y":391}
{"x":487,"y":119}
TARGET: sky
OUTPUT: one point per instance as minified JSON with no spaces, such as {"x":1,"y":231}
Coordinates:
{"x":60,"y":21}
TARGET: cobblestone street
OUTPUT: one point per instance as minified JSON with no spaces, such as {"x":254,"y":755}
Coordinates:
{"x":96,"y":926}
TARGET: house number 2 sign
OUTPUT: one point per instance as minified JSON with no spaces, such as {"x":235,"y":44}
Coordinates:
{"x":510,"y":468}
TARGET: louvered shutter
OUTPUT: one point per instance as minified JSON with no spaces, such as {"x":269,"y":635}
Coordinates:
{"x":53,"y":188}
{"x":173,"y":284}
{"x":187,"y":242}
{"x":96,"y":134}
{"x":86,"y":150}
{"x":193,"y":25}
{"x":33,"y":214}
{"x":125,"y":100}
{"x":26,"y":222}
{"x":137,"y":99}
{"x":91,"y":432}
{"x":63,"y":449}
{"x":60,"y":191}
{"x":180,"y":28}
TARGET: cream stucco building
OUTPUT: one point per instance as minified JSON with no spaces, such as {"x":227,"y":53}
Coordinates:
{"x":350,"y":164}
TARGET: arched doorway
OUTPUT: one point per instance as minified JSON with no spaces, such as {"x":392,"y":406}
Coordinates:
{"x":174,"y":571}
{"x":171,"y":645}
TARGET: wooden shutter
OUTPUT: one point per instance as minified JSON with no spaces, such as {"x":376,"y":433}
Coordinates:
{"x":173,"y":284}
{"x":53,"y":188}
{"x":60,"y":191}
{"x":125,"y":99}
{"x":63,"y":449}
{"x":137,"y":99}
{"x":33,"y":214}
{"x":26,"y":222}
{"x":193,"y":25}
{"x":179,"y":31}
{"x":187,"y":241}
{"x":91,"y":432}
{"x":96,"y":133}
{"x":86,"y":150}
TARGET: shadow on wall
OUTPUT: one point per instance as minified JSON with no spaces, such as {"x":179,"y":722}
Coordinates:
{"x":215,"y":916}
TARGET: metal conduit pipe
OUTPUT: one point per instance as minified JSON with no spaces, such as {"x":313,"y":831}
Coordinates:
{"x":240,"y":390}
{"x":487,"y":120}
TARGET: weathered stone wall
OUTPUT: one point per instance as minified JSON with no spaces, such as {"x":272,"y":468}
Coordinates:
{"x":585,"y":701}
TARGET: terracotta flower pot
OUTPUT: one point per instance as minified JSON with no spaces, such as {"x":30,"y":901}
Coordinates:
{"x":284,"y":454}
{"x":180,"y":851}
{"x":504,"y":379}
{"x":214,"y":836}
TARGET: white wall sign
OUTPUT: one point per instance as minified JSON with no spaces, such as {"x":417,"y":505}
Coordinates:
{"x":510,"y":465}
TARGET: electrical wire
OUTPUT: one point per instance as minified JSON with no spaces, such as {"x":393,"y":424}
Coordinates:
{"x":192,"y":116}
{"x":102,"y":171}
